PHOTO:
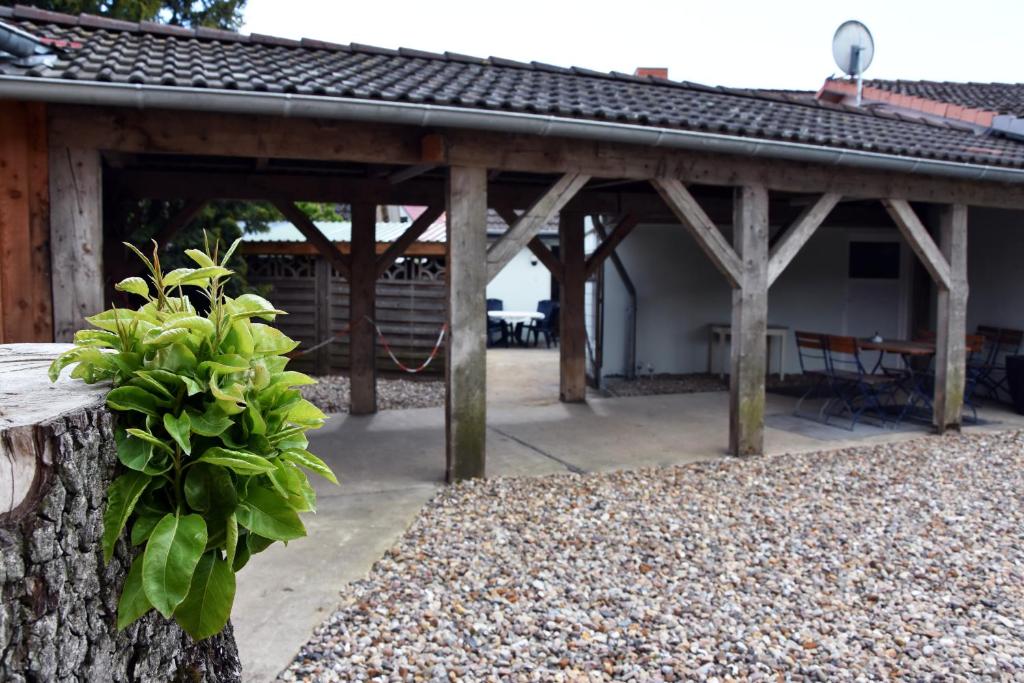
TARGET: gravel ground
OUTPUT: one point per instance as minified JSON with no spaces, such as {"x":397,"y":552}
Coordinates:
{"x":330,"y":393}
{"x":902,"y":560}
{"x":649,"y":385}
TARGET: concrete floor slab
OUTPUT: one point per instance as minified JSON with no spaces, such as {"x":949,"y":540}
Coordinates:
{"x":391,"y":464}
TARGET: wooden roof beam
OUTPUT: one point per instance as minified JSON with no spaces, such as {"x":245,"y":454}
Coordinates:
{"x":920,"y":241}
{"x":796,"y":236}
{"x":536,"y":245}
{"x":411,"y":234}
{"x":707,"y":234}
{"x":620,"y":232}
{"x":529,"y":224}
{"x":298,"y":218}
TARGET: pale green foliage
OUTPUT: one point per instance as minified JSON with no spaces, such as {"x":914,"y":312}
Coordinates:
{"x":211,"y":437}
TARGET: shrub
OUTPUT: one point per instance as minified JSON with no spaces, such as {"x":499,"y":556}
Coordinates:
{"x":211,"y":434}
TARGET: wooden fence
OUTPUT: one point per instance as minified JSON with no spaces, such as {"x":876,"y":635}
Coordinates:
{"x":410,"y":309}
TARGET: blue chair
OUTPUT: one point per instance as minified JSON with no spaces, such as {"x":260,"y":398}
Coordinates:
{"x":495,"y":325}
{"x":548,"y":325}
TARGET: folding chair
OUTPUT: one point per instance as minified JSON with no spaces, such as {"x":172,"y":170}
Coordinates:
{"x":496,"y":326}
{"x":812,"y":351}
{"x":856,"y":390}
{"x":1000,"y":342}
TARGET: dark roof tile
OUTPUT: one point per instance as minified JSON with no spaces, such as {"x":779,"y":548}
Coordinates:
{"x":1001,"y":98}
{"x":154,"y":54}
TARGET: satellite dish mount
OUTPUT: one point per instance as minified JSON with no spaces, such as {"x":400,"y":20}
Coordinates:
{"x":853,"y":49}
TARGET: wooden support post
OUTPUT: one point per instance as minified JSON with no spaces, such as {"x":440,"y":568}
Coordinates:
{"x":572,"y":334}
{"x":362,"y":367}
{"x":749,"y":322}
{"x":26,"y":313}
{"x":466,"y":369}
{"x":76,"y":237}
{"x":951,"y":323}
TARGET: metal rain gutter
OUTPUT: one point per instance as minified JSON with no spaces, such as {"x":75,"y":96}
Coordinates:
{"x":405,"y":113}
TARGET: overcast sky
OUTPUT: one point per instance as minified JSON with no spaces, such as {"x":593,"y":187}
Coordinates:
{"x":757,"y":43}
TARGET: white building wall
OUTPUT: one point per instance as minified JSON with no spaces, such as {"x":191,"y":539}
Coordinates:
{"x":995,"y":268}
{"x":522,"y":283}
{"x":679,"y":293}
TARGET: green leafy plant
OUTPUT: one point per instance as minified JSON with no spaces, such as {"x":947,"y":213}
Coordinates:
{"x":211,"y":435}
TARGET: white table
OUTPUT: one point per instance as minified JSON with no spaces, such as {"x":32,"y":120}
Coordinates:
{"x":513,"y":317}
{"x":516,"y":320}
{"x":720,"y":333}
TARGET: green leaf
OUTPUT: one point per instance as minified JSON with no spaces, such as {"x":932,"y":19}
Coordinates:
{"x":231,"y":250}
{"x":176,"y":276}
{"x":176,"y":358}
{"x":179,"y":428}
{"x":239,"y":339}
{"x":240,"y":462}
{"x":172,"y":552}
{"x":306,"y":414}
{"x":62,"y":361}
{"x":210,"y":488}
{"x":306,"y":459}
{"x":253,"y":306}
{"x":292,"y":379}
{"x":195,"y":323}
{"x":270,"y":341}
{"x":133,"y":603}
{"x":135,"y":398}
{"x":264,"y":512}
{"x":114,"y":318}
{"x":242,"y":554}
{"x":149,"y":438}
{"x":200,"y":258}
{"x":206,"y":608}
{"x":137,"y":454}
{"x":293,"y":485}
{"x":257,"y":544}
{"x":231,"y":541}
{"x":144,"y":380}
{"x":226,"y":364}
{"x":158,"y":337}
{"x":97,"y":338}
{"x":133,"y":285}
{"x":122,"y":496}
{"x":209,"y":423}
{"x":142,"y":527}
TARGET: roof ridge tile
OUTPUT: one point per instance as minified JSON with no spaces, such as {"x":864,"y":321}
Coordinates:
{"x":263,"y":39}
{"x":97,"y":21}
{"x":166,"y":29}
{"x":29,"y":12}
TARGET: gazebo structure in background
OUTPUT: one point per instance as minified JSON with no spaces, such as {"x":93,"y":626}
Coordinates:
{"x":96,"y":110}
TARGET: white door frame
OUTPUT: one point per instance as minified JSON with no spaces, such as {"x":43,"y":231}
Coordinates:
{"x":905,"y":278}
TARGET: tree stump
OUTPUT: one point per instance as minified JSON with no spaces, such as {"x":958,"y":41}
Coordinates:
{"x":58,"y":601}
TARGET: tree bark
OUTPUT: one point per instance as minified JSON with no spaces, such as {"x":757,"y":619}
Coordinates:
{"x":58,"y":601}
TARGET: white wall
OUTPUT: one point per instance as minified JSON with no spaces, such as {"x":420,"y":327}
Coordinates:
{"x":521,"y":284}
{"x":995,"y":268}
{"x":679,"y":293}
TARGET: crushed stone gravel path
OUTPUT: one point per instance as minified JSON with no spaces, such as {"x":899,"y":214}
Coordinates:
{"x":901,"y":560}
{"x":330,"y":393}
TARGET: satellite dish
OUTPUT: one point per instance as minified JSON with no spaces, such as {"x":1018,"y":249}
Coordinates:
{"x":853,"y":48}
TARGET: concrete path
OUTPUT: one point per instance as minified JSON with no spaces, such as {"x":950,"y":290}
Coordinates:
{"x":391,"y":463}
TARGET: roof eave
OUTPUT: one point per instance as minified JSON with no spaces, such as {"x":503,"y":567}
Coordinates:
{"x":417,"y":114}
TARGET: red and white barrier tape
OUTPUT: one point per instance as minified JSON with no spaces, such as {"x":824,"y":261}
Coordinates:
{"x":384,"y":342}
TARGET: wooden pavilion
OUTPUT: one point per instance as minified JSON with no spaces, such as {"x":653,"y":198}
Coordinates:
{"x":95,"y":111}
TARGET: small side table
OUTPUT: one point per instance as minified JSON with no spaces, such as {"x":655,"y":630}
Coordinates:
{"x":720,"y":333}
